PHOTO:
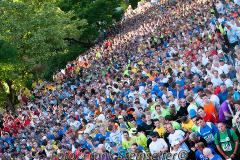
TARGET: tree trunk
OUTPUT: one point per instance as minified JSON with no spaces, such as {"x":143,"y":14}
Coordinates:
{"x":10,"y":102}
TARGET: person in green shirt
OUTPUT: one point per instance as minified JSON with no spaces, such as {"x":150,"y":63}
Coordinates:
{"x":152,"y":106}
{"x":139,"y":138}
{"x":227,"y":142}
{"x":157,"y":113}
{"x":127,"y":141}
{"x":175,"y":124}
{"x":164,"y":110}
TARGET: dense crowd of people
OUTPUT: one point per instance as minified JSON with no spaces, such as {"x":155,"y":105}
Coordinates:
{"x":166,"y":81}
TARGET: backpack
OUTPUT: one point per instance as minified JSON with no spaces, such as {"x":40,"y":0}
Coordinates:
{"x":228,"y":133}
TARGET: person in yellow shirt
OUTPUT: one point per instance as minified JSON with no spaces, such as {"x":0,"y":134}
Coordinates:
{"x":159,"y":128}
{"x":134,"y":70}
{"x":126,"y":140}
{"x":26,"y":92}
{"x":98,"y":55}
{"x":187,"y":124}
{"x":34,"y":84}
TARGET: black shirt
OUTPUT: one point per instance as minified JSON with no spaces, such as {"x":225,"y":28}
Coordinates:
{"x":182,"y":112}
{"x":146,"y":128}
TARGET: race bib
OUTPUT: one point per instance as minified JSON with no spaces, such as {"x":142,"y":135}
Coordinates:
{"x":227,"y":147}
{"x":209,"y":138}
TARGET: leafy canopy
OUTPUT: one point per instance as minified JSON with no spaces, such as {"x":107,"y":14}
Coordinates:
{"x":31,"y":33}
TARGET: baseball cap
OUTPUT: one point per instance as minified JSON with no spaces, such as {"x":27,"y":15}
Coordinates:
{"x":120,"y":117}
{"x":175,"y":143}
{"x":154,"y":134}
{"x":133,"y":130}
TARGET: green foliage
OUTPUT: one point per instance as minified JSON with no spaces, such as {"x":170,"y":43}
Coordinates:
{"x":38,"y":31}
{"x":14,"y":72}
{"x":134,"y":3}
{"x":7,"y":51}
{"x":32,"y":32}
{"x":8,"y":70}
{"x":60,"y":60}
{"x":100,"y":14}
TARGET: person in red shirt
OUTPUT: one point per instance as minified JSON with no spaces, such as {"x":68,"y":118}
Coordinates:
{"x":6,"y":128}
{"x":217,"y":90}
{"x":207,"y":117}
{"x":27,"y":121}
{"x":191,"y":55}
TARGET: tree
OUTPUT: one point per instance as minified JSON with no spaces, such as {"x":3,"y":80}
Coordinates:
{"x":31,"y":33}
{"x":37,"y":30}
{"x":11,"y":77}
{"x":100,"y":14}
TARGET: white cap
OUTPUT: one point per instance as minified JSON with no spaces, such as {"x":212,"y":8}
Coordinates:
{"x":174,"y":143}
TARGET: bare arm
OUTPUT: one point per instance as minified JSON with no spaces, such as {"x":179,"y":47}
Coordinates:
{"x":221,"y":152}
{"x":186,"y":138}
{"x":226,"y":114}
{"x":236,"y":147}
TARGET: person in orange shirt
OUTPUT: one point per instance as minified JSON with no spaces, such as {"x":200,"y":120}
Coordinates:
{"x":209,"y":107}
{"x":152,"y":75}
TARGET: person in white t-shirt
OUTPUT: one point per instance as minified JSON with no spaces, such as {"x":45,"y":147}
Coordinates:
{"x":237,"y":2}
{"x":216,"y":66}
{"x":223,"y":66}
{"x":115,"y":135}
{"x":177,"y":150}
{"x":163,"y":78}
{"x":192,"y":104}
{"x":215,"y":79}
{"x":205,"y":59}
{"x":227,"y":81}
{"x":237,"y":59}
{"x":177,"y":135}
{"x":197,"y":97}
{"x":220,"y":7}
{"x":172,"y":100}
{"x":158,"y":144}
{"x":195,"y":68}
{"x":74,"y":123}
{"x":209,"y":70}
{"x":143,"y":100}
{"x":89,"y":127}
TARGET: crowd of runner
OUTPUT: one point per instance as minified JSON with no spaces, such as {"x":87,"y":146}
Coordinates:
{"x":167,"y":80}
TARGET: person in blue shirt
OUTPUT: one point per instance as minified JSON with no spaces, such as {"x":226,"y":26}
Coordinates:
{"x":236,"y":95}
{"x":223,"y":94}
{"x":211,"y":156}
{"x":7,"y":138}
{"x":50,"y":136}
{"x":102,"y":134}
{"x":206,"y":130}
{"x":62,"y":131}
{"x":180,"y":80}
{"x":197,"y":88}
{"x":156,"y":90}
{"x":177,"y":90}
{"x":199,"y":152}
